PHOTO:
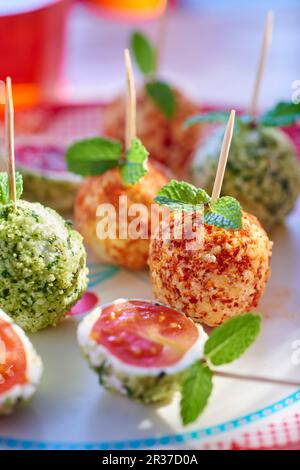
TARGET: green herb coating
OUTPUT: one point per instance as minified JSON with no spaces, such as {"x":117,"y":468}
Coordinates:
{"x":262,"y":171}
{"x":42,"y":265}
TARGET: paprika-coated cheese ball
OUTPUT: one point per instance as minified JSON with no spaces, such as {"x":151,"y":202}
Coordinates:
{"x":166,"y":139}
{"x":106,"y":189}
{"x":223,"y":277}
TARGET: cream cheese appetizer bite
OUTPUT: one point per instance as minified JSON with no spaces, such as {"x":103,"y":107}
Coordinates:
{"x":42,"y":262}
{"x":140,"y":348}
{"x":147,"y":352}
{"x":211,"y":260}
{"x":263,"y":171}
{"x":221,"y":275}
{"x":161,"y":112}
{"x":120,"y":189}
{"x":107,"y":189}
{"x":45,"y":175}
{"x":20,"y":366}
{"x":162,"y":133}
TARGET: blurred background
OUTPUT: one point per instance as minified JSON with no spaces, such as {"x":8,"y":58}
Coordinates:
{"x":71,"y":51}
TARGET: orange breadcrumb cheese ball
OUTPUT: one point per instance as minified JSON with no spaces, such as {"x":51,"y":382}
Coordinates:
{"x":223,"y":277}
{"x":106,"y":189}
{"x":167,"y":141}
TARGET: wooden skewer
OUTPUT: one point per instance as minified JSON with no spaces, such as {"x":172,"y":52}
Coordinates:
{"x":255,"y":378}
{"x":9,"y":141}
{"x":130,"y":102}
{"x":161,"y":35}
{"x":223,"y":157}
{"x":267,"y":37}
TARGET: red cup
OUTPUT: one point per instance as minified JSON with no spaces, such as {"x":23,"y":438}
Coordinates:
{"x":31,"y":47}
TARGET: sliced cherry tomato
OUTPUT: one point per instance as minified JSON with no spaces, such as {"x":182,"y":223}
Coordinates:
{"x":145,"y":334}
{"x":12,"y":358}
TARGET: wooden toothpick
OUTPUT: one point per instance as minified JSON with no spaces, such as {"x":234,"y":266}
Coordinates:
{"x":256,"y":378}
{"x":9,"y":140}
{"x":223,"y":157}
{"x":130,"y":102}
{"x":267,"y":37}
{"x":161,"y":34}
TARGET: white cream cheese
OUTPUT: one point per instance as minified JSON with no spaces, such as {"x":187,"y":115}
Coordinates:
{"x":97,"y":353}
{"x":33,"y":371}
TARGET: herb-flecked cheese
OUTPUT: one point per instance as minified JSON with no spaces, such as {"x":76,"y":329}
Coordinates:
{"x":262,"y":171}
{"x":42,"y":265}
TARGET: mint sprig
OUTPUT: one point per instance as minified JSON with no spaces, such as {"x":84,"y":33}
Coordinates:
{"x":216,"y":117}
{"x":213,"y":117}
{"x":163,"y":96}
{"x":283,"y":114}
{"x":135,"y":164}
{"x":229,"y":341}
{"x":196,"y":388}
{"x":179,"y":195}
{"x":225,"y":344}
{"x":145,"y":56}
{"x":4,"y":187}
{"x":95,"y":156}
{"x":143,"y":52}
{"x":224,"y":212}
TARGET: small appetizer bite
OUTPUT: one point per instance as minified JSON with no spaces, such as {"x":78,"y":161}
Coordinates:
{"x":120,"y":187}
{"x":219,"y":265}
{"x":161,"y":112}
{"x":147,"y":351}
{"x":263,"y":171}
{"x":20,"y":366}
{"x":42,"y":259}
{"x":107,"y":189}
{"x":42,"y":264}
{"x":225,"y":276}
{"x":45,"y":176}
{"x":140,"y":348}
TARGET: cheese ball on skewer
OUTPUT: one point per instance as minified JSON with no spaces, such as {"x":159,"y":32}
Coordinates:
{"x":139,"y":348}
{"x":107,"y":189}
{"x":166,"y":138}
{"x":225,"y":276}
{"x":42,"y":265}
{"x":262,"y":171}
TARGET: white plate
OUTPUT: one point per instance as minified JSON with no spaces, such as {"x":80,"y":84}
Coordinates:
{"x":71,"y":410}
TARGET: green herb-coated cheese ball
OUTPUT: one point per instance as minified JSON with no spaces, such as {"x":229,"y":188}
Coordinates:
{"x":42,"y":265}
{"x":262,"y":171}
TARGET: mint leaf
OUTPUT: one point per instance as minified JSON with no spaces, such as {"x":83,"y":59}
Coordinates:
{"x":163,"y":96}
{"x":228,"y":342}
{"x":195,"y":391}
{"x":135,"y":165}
{"x":137,"y":152}
{"x":143,"y":52}
{"x":224,"y":212}
{"x":283,"y":114}
{"x":93,"y":156}
{"x":214,"y":117}
{"x":4,"y":187}
{"x":179,"y":195}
